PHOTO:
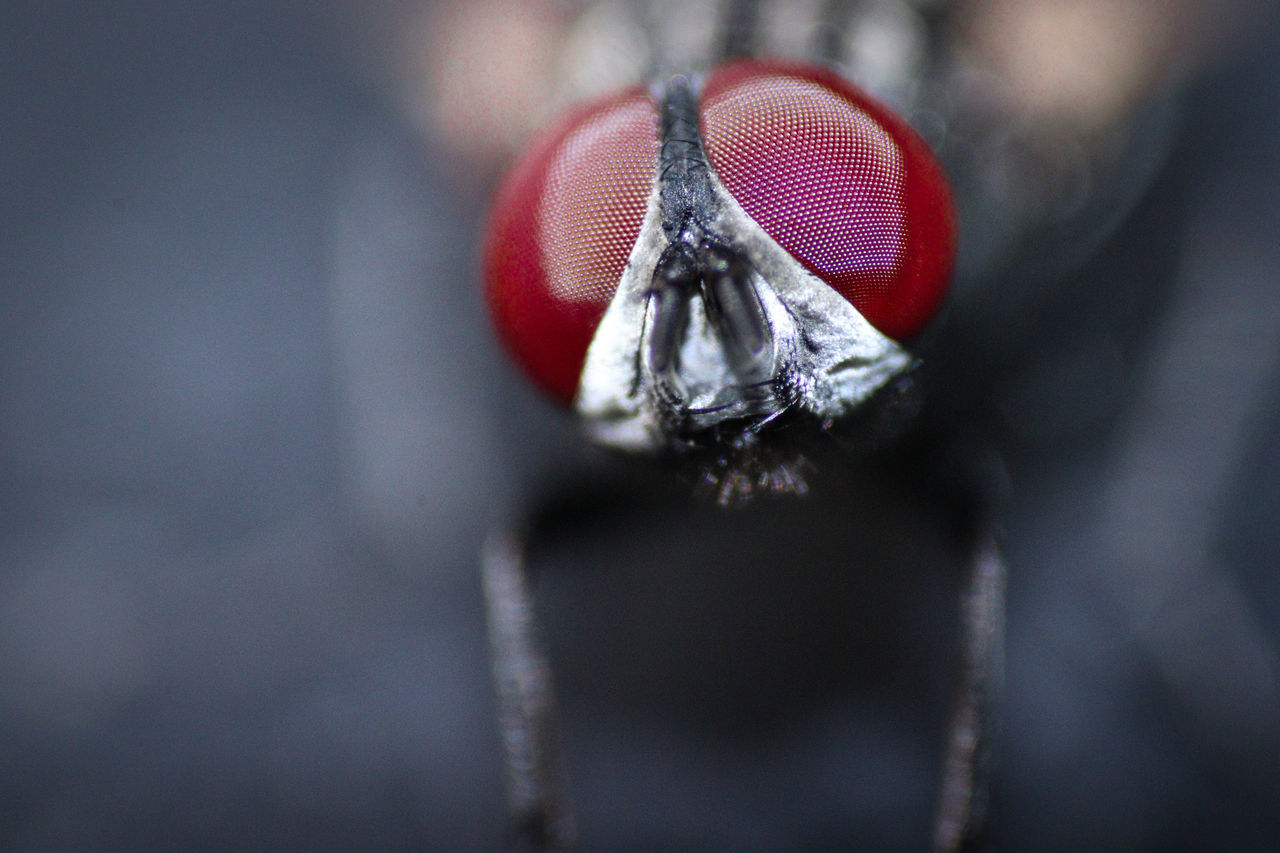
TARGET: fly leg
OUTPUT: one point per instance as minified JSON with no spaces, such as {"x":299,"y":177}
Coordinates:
{"x":537,"y":786}
{"x":961,"y":820}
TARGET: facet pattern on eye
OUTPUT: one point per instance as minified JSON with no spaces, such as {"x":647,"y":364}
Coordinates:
{"x":820,"y":176}
{"x":847,"y":189}
{"x":562,"y":228}
{"x":593,"y":201}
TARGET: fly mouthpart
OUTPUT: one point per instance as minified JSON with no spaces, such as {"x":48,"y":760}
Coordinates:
{"x":714,"y":356}
{"x":675,"y":280}
{"x":731,"y":305}
{"x":734,"y":307}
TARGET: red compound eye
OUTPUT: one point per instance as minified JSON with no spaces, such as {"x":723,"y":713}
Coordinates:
{"x":561,"y":231}
{"x":837,"y":180}
{"x":840,"y":182}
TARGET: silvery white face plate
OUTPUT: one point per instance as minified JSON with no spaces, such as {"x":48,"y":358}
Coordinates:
{"x":822,"y":356}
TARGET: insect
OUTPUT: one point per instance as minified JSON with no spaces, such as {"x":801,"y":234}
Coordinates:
{"x":692,"y":263}
{"x":729,"y":265}
{"x":694,"y":266}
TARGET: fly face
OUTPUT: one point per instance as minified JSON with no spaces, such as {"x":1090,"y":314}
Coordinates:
{"x":740,"y":245}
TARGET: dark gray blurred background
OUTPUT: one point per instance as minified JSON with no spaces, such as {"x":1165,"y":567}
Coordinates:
{"x":253,"y":428}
